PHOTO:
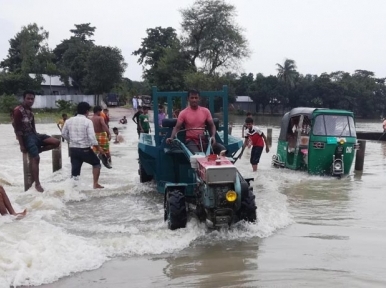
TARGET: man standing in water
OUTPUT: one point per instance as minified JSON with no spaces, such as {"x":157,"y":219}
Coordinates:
{"x":30,"y":141}
{"x":136,"y":119}
{"x":193,"y":117}
{"x":79,"y":132}
{"x":102,"y":133}
{"x":60,"y":123}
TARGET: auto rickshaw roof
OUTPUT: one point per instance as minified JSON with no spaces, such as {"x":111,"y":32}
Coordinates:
{"x":312,"y":112}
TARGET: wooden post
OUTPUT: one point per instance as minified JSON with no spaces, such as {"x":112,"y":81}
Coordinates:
{"x":57,"y":155}
{"x":230,"y":129}
{"x":269,"y":137}
{"x":27,"y":169}
{"x":360,"y":156}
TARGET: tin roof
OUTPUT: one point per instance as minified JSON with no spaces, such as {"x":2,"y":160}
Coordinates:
{"x":51,"y":80}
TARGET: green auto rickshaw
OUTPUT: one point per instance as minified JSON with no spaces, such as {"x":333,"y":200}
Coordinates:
{"x":317,"y":140}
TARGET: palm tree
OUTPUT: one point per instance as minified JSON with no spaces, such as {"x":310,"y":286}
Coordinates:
{"x":287,"y":72}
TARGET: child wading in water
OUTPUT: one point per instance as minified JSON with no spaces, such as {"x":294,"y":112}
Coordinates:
{"x":258,"y":139}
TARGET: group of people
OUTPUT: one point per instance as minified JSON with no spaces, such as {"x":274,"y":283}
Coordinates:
{"x":80,"y":132}
{"x":89,"y":138}
{"x":137,"y":102}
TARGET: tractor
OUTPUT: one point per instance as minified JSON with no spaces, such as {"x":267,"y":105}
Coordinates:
{"x":204,"y":185}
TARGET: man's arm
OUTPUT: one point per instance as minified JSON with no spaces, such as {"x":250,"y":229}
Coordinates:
{"x":244,"y":145}
{"x":66,"y":132}
{"x":175,"y":130}
{"x":17,"y":126}
{"x":266,"y":142}
{"x":135,"y":115}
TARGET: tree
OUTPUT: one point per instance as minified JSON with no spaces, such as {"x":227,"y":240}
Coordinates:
{"x":210,"y":35}
{"x":28,"y":52}
{"x":287,"y":72}
{"x":16,"y":83}
{"x":71,"y":55}
{"x":153,"y":46}
{"x":105,"y":66}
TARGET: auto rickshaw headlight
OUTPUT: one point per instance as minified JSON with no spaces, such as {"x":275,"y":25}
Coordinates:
{"x":231,"y":196}
{"x":342,"y":141}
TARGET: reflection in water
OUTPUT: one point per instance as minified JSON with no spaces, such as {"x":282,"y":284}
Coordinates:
{"x":217,"y":265}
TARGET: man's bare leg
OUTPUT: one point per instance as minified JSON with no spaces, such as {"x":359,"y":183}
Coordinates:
{"x":35,"y":173}
{"x":6,"y":206}
{"x":254,"y":168}
{"x":95,"y":173}
{"x":50,"y":143}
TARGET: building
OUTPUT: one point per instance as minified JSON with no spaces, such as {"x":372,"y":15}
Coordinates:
{"x":52,"y":85}
{"x":245,"y":103}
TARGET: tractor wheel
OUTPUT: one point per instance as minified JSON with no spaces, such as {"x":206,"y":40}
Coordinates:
{"x":143,"y":177}
{"x":248,"y":207}
{"x":176,"y":210}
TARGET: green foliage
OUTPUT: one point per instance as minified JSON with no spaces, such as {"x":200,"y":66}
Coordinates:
{"x":16,"y":83}
{"x":8,"y":103}
{"x":287,"y":72}
{"x":211,"y":35}
{"x":105,"y":66}
{"x":28,"y":51}
{"x":71,"y":55}
{"x":66,"y":106}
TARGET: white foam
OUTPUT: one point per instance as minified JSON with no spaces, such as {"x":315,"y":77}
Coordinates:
{"x":72,"y":227}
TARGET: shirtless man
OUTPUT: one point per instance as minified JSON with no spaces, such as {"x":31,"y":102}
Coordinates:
{"x":6,"y":206}
{"x":102,"y":132}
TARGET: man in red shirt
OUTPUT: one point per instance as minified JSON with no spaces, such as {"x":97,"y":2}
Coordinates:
{"x":257,"y":137}
{"x":30,"y":141}
{"x":193,"y":117}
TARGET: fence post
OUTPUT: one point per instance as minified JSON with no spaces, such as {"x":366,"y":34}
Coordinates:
{"x":269,"y":137}
{"x":230,"y":127}
{"x":57,"y":155}
{"x":360,"y":156}
{"x":27,"y":171}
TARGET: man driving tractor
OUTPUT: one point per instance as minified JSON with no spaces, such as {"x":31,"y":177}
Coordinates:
{"x":195,"y":118}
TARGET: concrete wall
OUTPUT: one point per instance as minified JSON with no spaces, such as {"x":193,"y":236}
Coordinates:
{"x":49,"y":101}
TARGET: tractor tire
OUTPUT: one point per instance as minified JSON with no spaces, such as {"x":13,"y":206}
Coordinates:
{"x":176,"y":210}
{"x":143,"y":177}
{"x":248,"y":207}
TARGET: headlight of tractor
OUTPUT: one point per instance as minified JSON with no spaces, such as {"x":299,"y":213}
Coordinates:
{"x":231,"y":196}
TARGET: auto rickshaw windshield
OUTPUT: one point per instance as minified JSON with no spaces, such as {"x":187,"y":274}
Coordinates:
{"x":334,"y":125}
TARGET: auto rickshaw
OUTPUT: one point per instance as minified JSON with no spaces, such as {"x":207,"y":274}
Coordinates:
{"x":317,"y":140}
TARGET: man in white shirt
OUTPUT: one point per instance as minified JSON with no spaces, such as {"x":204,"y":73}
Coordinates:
{"x":79,"y":132}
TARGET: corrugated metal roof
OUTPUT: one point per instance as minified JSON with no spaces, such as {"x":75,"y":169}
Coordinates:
{"x":51,"y":80}
{"x":243,"y":99}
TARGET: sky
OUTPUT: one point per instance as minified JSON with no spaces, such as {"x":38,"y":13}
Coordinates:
{"x":320,"y":35}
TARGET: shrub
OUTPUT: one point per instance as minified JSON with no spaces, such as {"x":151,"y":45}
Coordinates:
{"x":8,"y":103}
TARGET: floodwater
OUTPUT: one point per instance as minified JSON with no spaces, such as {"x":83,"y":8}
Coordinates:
{"x":311,"y":231}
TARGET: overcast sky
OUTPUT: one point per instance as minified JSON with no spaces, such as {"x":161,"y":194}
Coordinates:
{"x":320,"y":35}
